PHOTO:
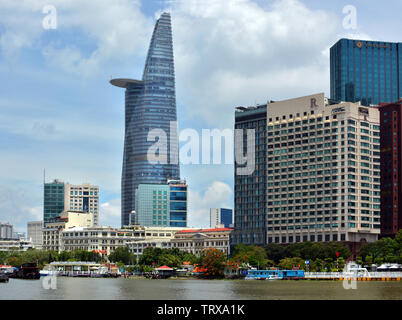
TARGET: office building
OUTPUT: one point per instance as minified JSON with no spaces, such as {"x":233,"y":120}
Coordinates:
{"x":391,"y":168}
{"x":366,"y":71}
{"x":162,"y":204}
{"x":150,"y":104}
{"x":34,"y":229}
{"x":250,"y":190}
{"x":53,"y":200}
{"x":60,"y":196}
{"x":6,"y":231}
{"x":220,"y":217}
{"x":323,"y":173}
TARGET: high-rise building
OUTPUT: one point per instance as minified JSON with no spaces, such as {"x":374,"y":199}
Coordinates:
{"x":162,"y":204}
{"x":391,"y":168}
{"x":250,"y":190}
{"x":6,"y":231}
{"x":150,"y":108}
{"x":34,"y":229}
{"x":84,"y":198}
{"x":220,"y":217}
{"x":53,"y":200}
{"x":366,"y":71}
{"x":60,"y":196}
{"x":322,"y":177}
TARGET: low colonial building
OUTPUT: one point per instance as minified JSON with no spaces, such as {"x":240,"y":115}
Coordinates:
{"x":196,"y":240}
{"x":157,"y":237}
{"x":102,"y":239}
{"x":68,"y":219}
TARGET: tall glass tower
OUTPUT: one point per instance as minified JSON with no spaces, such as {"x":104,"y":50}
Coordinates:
{"x":150,"y":104}
{"x":366,"y":71}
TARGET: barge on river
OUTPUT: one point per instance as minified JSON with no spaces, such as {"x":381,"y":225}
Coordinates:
{"x":274,"y":274}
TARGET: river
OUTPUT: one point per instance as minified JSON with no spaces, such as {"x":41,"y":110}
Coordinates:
{"x":191,"y":289}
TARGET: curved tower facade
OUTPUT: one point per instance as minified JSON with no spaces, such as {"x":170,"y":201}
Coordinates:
{"x":150,"y":104}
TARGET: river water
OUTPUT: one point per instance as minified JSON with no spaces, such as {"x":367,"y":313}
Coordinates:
{"x":191,"y":289}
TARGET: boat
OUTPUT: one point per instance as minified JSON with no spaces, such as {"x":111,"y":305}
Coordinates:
{"x":274,"y":274}
{"x":3,"y":277}
{"x":7,"y":270}
{"x":28,"y":271}
{"x":76,"y":269}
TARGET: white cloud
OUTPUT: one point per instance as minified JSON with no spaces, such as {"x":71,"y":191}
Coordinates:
{"x":216,"y":195}
{"x":240,"y":53}
{"x":115,"y":30}
{"x":110,"y":213}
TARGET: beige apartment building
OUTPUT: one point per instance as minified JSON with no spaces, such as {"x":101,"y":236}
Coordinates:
{"x":323,"y":171}
{"x":83,"y":197}
{"x":68,"y":219}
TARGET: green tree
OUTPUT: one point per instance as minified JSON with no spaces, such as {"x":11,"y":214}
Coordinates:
{"x":123,"y":255}
{"x":275,"y":252}
{"x":290,"y":263}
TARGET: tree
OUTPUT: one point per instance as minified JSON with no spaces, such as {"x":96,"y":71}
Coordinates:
{"x":213,"y":262}
{"x":123,"y":255}
{"x":290,"y":263}
{"x":275,"y":252}
{"x":253,"y":255}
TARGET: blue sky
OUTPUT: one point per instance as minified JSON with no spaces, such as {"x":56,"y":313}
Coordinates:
{"x":59,"y":112}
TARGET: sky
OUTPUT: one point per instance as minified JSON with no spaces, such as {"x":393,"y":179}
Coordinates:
{"x":59,"y":113}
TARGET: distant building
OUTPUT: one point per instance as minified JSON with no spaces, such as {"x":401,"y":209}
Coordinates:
{"x":53,"y":200}
{"x":366,"y":71}
{"x":34,"y":229}
{"x":60,"y":196}
{"x":162,"y":204}
{"x":6,"y":231}
{"x":221,"y":216}
{"x":15,"y":244}
{"x":99,"y":239}
{"x":84,"y":198}
{"x":67,"y":220}
{"x":391,"y":168}
{"x":196,"y":240}
{"x":155,"y":237}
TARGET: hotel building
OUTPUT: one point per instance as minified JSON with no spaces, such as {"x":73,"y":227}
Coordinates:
{"x":322,"y":173}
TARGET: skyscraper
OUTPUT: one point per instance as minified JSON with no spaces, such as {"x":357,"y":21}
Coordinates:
{"x":150,"y":104}
{"x":366,"y":71}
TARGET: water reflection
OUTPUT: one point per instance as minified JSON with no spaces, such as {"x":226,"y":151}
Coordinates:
{"x":138,"y":289}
